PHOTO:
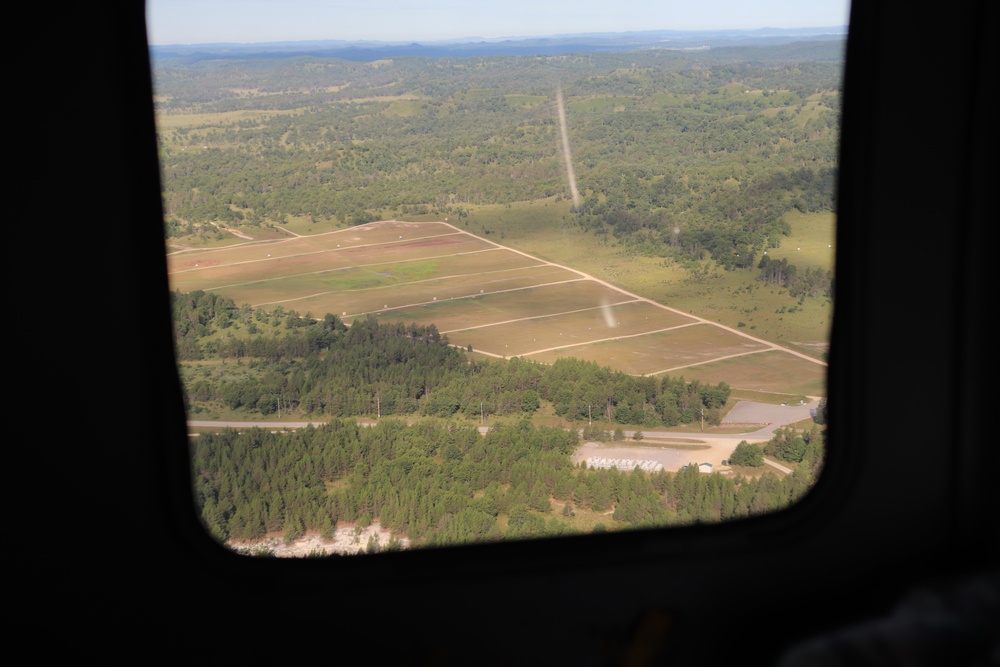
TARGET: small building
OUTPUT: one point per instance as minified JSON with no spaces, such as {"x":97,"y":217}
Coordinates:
{"x":704,"y":467}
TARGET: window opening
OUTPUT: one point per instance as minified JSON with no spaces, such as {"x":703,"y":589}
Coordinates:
{"x":432,"y":290}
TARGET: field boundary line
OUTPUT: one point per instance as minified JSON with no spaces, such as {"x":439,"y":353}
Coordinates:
{"x":538,"y":317}
{"x":712,"y":361}
{"x":427,"y":303}
{"x":298,"y":254}
{"x":470,"y":296}
{"x":412,"y":282}
{"x":773,"y":346}
{"x":297,"y":237}
{"x":347,"y":268}
{"x":612,"y":338}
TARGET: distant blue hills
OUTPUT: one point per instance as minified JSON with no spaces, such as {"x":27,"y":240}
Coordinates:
{"x":367,"y":51}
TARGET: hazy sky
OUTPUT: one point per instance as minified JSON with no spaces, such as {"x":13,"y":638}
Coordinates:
{"x":246,"y":21}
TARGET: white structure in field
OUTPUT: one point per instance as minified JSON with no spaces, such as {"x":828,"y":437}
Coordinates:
{"x":624,"y":464}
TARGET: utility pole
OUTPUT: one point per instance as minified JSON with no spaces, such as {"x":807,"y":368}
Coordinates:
{"x":481,"y":420}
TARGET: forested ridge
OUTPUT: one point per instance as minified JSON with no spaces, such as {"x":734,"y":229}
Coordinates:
{"x":685,"y":154}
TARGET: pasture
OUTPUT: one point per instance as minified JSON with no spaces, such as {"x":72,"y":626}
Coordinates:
{"x":499,"y":301}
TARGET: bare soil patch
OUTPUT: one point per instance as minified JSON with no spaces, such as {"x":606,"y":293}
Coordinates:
{"x":347,"y":540}
{"x":673,"y":458}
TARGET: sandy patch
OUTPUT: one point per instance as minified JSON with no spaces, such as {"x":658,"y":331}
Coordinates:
{"x":672,"y":458}
{"x":346,"y":541}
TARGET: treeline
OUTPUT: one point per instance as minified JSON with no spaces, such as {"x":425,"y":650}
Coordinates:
{"x":811,"y":282}
{"x":439,"y":483}
{"x":321,"y":367}
{"x":679,"y":154}
{"x":199,"y":316}
{"x":787,"y":444}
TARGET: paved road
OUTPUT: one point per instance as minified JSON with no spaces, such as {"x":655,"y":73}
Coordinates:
{"x":747,"y":412}
{"x":714,"y":447}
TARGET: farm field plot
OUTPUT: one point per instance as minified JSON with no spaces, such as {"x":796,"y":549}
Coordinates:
{"x":663,"y":351}
{"x":354,"y":237}
{"x":362,"y":289}
{"x":497,"y":300}
{"x":573,"y":327}
{"x":771,"y":371}
{"x":390,"y":300}
{"x":220,"y":271}
{"x":540,"y":300}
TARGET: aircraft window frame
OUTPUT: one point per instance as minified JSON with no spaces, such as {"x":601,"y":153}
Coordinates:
{"x":619,"y":536}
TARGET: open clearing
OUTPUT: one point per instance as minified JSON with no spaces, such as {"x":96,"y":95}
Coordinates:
{"x":500,"y":301}
{"x":672,"y":458}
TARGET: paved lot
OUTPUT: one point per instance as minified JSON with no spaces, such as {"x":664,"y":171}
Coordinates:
{"x":715,"y":447}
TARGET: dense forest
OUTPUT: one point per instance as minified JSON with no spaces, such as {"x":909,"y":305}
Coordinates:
{"x":685,"y":154}
{"x":296,"y":364}
{"x":438,"y":483}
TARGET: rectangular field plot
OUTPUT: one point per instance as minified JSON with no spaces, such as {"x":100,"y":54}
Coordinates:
{"x":598,"y":322}
{"x":657,"y":352}
{"x":478,"y":271}
{"x":405,"y":296}
{"x":499,"y":307}
{"x":400,"y":251}
{"x":774,"y":371}
{"x":446,"y":289}
{"x":270,"y":287}
{"x":494,"y":299}
{"x":225,"y":273}
{"x":487,"y":266}
{"x":343,"y":239}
